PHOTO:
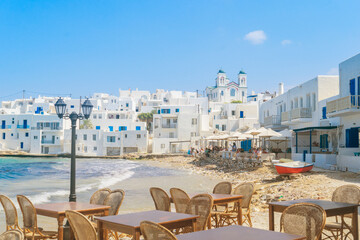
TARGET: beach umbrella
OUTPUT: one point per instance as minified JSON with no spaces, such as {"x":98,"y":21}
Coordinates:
{"x":254,"y":132}
{"x":268,"y":133}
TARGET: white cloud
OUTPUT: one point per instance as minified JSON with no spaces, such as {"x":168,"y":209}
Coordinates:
{"x":333,"y":71}
{"x":286,"y":42}
{"x":256,"y":37}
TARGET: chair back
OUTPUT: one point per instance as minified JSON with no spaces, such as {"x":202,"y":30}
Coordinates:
{"x":81,"y":226}
{"x":99,"y":196}
{"x":304,"y":219}
{"x":200,"y":205}
{"x":223,"y":188}
{"x":180,"y":199}
{"x":347,"y":194}
{"x":10,"y":213}
{"x":247,"y":190}
{"x":12,"y":235}
{"x":28,"y":211}
{"x":161,"y":199}
{"x":154,"y":231}
{"x":114,"y":200}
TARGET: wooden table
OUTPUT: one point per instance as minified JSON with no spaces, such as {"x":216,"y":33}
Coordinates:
{"x":238,"y":232}
{"x":57,"y":210}
{"x":130,"y":223}
{"x":331,"y":209}
{"x":223,"y":199}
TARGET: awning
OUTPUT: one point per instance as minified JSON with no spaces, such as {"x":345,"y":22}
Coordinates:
{"x":314,"y":128}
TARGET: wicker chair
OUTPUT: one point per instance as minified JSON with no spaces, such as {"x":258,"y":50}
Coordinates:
{"x":304,"y":219}
{"x":99,"y":196}
{"x":11,"y":216}
{"x":200,"y":205}
{"x":180,"y":199}
{"x":223,"y":188}
{"x":230,"y":217}
{"x":81,"y":226}
{"x":154,"y":231}
{"x":346,"y":194}
{"x":12,"y":235}
{"x":161,"y":199}
{"x":220,"y":188}
{"x":31,"y":229}
{"x":114,"y":200}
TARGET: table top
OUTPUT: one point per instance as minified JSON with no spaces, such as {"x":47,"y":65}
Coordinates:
{"x":218,"y":197}
{"x":60,"y":208}
{"x":134,"y":219}
{"x":237,"y":232}
{"x":326,"y":205}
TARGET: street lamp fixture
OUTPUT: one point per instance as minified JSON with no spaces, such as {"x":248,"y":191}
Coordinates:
{"x":60,"y":107}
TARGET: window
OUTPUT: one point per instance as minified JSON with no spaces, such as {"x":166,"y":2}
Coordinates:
{"x":111,"y":128}
{"x":26,"y":134}
{"x":243,"y":93}
{"x":85,"y":149}
{"x":324,"y":113}
{"x":85,"y":137}
{"x":301,"y":102}
{"x":166,"y":111}
{"x":138,"y":135}
{"x":4,"y":136}
{"x":314,"y":101}
{"x":111,"y":138}
{"x":171,"y":135}
{"x":241,"y":114}
{"x":122,"y":128}
{"x":72,"y":106}
{"x":324,"y":141}
{"x":95,"y":149}
{"x":217,"y":126}
{"x":94,"y":116}
{"x":193,"y":134}
{"x":100,"y":116}
{"x":13,"y":121}
{"x":194,"y":121}
{"x":177,"y":110}
{"x":223,"y":127}
{"x":233,"y":113}
{"x":222,"y":93}
{"x":127,"y":105}
{"x":138,"y":128}
{"x":232,"y":92}
{"x":94,"y":137}
{"x":125,"y":135}
{"x":35,"y":137}
{"x":97,"y":127}
{"x":162,"y":146}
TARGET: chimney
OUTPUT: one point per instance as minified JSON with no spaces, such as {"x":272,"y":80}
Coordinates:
{"x":281,"y":88}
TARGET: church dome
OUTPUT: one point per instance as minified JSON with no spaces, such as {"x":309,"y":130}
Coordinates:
{"x":242,"y":72}
{"x":221,"y":71}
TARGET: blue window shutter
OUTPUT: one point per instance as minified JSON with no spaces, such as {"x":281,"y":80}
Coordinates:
{"x":352,"y":87}
{"x":111,"y":128}
{"x":97,"y":128}
{"x":347,"y":138}
{"x":4,"y":135}
{"x":326,"y":141}
{"x":354,"y":138}
{"x":321,"y":141}
{"x":159,"y":111}
{"x":138,"y":128}
{"x":324,"y":113}
{"x":241,"y":114}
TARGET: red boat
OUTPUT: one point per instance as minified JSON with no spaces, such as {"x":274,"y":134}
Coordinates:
{"x":293,"y":167}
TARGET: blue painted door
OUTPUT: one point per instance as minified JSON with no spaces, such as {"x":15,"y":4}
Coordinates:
{"x":25,"y":124}
{"x":21,"y":145}
{"x":324,"y":113}
{"x":241,"y":114}
{"x":3,"y":124}
{"x":352,"y":91}
{"x":352,"y":138}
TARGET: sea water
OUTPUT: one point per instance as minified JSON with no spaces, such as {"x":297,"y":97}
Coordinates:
{"x":47,"y":180}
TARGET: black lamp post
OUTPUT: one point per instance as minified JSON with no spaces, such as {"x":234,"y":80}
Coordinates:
{"x":60,"y":107}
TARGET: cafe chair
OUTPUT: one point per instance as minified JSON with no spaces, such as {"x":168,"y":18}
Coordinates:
{"x":201,"y":206}
{"x":30,"y":227}
{"x":161,"y":199}
{"x":81,"y":226}
{"x":180,"y":198}
{"x":230,"y":217}
{"x":114,"y":199}
{"x":303,"y":219}
{"x":345,"y":194}
{"x":11,"y":217}
{"x":220,"y":188}
{"x":99,"y":196}
{"x":12,"y":235}
{"x":154,"y":231}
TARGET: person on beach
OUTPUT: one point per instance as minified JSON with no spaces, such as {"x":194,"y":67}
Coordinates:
{"x":234,"y":147}
{"x":258,"y":154}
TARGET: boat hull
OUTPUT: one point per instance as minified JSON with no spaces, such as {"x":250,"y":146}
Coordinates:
{"x":293,"y":169}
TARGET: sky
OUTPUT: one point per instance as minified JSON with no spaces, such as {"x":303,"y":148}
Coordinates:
{"x":80,"y":47}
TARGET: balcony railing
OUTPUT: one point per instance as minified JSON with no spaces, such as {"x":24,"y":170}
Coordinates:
{"x":272,"y":120}
{"x":172,"y":125}
{"x":285,"y":116}
{"x":48,"y":141}
{"x":348,"y":102}
{"x":45,"y":128}
{"x":300,"y":113}
{"x":5,"y":126}
{"x":23,"y":126}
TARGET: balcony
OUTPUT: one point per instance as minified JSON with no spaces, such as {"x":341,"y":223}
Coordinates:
{"x":5,"y":127}
{"x":345,"y":106}
{"x":46,"y":128}
{"x":23,"y":126}
{"x":297,"y":115}
{"x":274,"y":120}
{"x":171,"y":125}
{"x":47,"y":141}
